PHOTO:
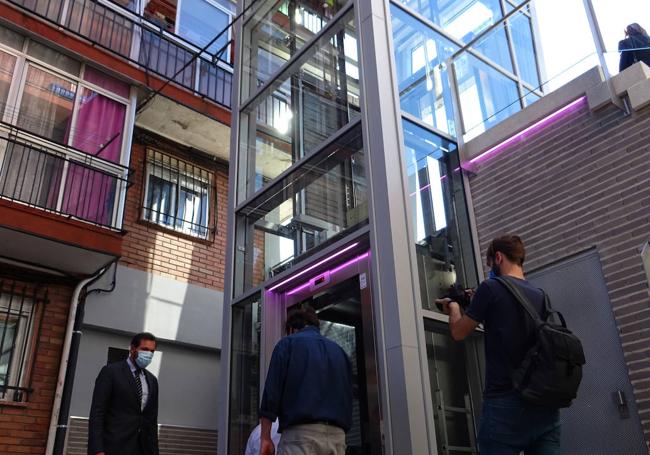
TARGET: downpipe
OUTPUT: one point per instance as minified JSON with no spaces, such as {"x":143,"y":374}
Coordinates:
{"x":62,"y":397}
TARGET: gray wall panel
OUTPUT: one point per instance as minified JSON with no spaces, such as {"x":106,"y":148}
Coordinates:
{"x":188,"y":379}
{"x":171,"y":309}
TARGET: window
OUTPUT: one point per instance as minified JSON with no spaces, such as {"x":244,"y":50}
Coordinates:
{"x":199,"y":21}
{"x":57,"y":98}
{"x":177,"y":195}
{"x":16,"y":324}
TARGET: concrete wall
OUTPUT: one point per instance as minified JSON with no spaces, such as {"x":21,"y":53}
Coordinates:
{"x":170,"y":309}
{"x":187,"y":378}
{"x":581,"y":183}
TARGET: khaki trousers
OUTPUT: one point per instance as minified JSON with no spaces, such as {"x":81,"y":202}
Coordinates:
{"x":312,"y":439}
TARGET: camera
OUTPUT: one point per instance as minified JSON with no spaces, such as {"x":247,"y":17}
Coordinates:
{"x":458,"y":293}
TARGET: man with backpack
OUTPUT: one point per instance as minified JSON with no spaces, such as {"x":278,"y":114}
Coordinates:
{"x":533,"y":366}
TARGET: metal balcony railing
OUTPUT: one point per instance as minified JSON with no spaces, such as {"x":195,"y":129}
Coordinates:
{"x":132,"y":37}
{"x":72,"y":184}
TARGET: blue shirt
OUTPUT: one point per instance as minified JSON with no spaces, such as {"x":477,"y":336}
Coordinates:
{"x":509,"y":331}
{"x":309,"y":380}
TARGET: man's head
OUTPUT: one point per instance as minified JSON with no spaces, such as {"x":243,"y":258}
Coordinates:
{"x":143,"y":345}
{"x":505,"y":255}
{"x":300,"y":318}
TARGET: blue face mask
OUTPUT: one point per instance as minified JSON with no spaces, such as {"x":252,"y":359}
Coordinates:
{"x":494,"y":272}
{"x":144,"y":359}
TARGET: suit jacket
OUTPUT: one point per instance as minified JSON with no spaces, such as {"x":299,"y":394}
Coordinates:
{"x":117,"y":425}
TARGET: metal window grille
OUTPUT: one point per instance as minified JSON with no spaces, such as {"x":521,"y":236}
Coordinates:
{"x":177,"y":195}
{"x":19,"y":326}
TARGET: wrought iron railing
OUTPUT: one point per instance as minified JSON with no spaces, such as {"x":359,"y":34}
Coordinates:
{"x":120,"y":31}
{"x":73,"y":184}
{"x":21,"y":316}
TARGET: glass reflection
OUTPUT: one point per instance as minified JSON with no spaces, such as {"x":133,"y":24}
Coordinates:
{"x":301,"y":110}
{"x":463,"y":19}
{"x":420,"y":56}
{"x":439,"y":214}
{"x":308,"y":209}
{"x":279,"y":29}
{"x":487,"y":97}
{"x":244,"y":372}
{"x":522,"y":40}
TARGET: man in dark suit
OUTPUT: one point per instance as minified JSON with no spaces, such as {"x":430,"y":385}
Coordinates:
{"x":124,"y":410}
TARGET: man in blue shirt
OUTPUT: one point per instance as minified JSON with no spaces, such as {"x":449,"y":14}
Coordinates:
{"x":508,"y":424}
{"x":309,"y":389}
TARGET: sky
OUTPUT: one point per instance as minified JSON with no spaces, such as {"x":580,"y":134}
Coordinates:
{"x":567,"y":46}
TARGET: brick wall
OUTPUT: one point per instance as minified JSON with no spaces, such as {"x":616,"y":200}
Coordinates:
{"x":24,"y":427}
{"x":582,"y":183}
{"x":163,"y":251}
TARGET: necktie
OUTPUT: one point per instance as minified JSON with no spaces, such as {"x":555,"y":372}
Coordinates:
{"x":138,"y":386}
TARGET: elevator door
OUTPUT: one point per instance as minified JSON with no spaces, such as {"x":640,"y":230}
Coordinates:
{"x":343,"y":310}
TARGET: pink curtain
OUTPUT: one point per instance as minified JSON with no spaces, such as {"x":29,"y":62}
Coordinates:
{"x":89,"y":193}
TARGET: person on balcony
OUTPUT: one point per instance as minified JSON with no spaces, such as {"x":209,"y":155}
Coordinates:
{"x":635,"y":47}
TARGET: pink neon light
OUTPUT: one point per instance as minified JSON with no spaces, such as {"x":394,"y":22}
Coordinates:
{"x":535,"y":127}
{"x":334,"y":270}
{"x":312,"y":267}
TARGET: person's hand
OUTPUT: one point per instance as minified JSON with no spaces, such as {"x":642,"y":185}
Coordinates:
{"x":447,"y":304}
{"x":267,"y":447}
{"x":470,"y":293}
{"x":100,"y":453}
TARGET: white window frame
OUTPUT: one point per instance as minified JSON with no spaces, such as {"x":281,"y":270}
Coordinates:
{"x":223,"y":9}
{"x":178,"y":224}
{"x":11,"y":111}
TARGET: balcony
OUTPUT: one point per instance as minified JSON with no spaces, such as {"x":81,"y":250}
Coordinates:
{"x":143,"y":43}
{"x":60,"y":208}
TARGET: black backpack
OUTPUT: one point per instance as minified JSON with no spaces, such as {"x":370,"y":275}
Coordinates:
{"x":551,"y":371}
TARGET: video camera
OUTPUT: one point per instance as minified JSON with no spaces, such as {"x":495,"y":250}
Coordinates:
{"x":458,"y":293}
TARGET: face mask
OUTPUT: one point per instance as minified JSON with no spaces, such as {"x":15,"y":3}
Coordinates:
{"x":144,"y":358}
{"x":494,"y":271}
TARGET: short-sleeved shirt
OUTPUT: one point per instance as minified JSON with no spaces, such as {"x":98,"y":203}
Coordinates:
{"x":509,"y":331}
{"x":309,"y":381}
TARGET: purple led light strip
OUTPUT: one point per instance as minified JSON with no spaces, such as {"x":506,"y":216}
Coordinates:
{"x":535,"y":127}
{"x":334,"y":270}
{"x":312,"y":267}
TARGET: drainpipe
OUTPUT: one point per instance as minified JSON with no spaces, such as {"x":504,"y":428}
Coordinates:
{"x":63,"y":394}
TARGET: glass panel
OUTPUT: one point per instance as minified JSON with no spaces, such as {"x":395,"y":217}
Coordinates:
{"x":422,"y":79}
{"x":99,"y":126}
{"x":487,"y":96}
{"x":494,"y":46}
{"x":8,"y":329}
{"x":522,"y":38}
{"x":7,"y":64}
{"x":10,"y":38}
{"x":162,"y":13}
{"x":463,"y":19}
{"x":299,"y":112}
{"x":46,"y":105}
{"x":244,"y":372}
{"x":454,"y":374}
{"x":278,"y":30}
{"x":310,"y":208}
{"x":439,"y":214}
{"x":54,"y":58}
{"x":200,"y":21}
{"x":530,"y":97}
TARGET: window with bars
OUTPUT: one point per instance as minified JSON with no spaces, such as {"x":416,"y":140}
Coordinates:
{"x":17,"y":329}
{"x":177,"y":195}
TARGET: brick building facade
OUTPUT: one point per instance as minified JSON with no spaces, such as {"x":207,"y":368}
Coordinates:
{"x":578,"y":187}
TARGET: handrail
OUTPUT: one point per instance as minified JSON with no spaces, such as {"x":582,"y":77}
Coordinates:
{"x":140,"y":42}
